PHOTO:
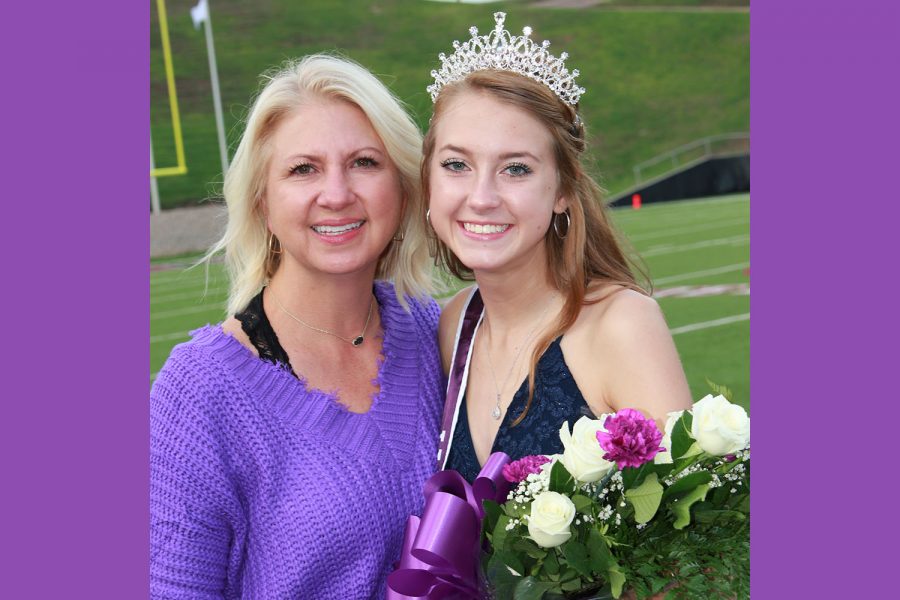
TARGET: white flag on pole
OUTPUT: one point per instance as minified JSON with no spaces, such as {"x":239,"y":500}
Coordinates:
{"x":200,"y":14}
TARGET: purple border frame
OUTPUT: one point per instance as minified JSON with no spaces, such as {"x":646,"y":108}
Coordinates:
{"x":74,"y":426}
{"x":75,"y":430}
{"x":824,"y":126}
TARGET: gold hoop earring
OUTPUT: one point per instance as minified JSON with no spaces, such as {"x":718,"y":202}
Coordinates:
{"x":398,"y":237}
{"x":563,"y":235}
{"x":272,"y":242}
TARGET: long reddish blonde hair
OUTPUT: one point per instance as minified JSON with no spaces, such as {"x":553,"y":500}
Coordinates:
{"x":592,"y":251}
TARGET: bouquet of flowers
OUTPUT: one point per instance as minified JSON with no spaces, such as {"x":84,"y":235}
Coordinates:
{"x":628,"y":507}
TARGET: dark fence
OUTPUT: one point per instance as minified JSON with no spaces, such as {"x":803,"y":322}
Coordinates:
{"x":712,"y":177}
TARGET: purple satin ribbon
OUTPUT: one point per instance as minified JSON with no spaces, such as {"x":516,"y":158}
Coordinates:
{"x":441,"y":550}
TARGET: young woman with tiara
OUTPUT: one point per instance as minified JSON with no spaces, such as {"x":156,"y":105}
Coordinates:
{"x":557,"y":326}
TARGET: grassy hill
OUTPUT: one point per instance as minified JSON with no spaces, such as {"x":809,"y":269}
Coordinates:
{"x":654,"y":80}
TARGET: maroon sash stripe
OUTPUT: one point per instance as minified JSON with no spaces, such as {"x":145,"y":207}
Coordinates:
{"x":457,"y":368}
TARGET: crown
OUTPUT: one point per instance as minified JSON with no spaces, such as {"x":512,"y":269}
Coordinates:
{"x":506,"y":52}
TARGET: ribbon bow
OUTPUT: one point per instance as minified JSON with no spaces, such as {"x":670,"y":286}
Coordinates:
{"x":440,"y":553}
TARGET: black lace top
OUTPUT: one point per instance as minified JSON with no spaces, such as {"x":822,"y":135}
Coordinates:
{"x":557,"y":399}
{"x":257,"y":327}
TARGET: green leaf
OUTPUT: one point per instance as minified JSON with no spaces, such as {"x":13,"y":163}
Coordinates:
{"x":681,"y":435}
{"x":691,"y":457}
{"x":499,"y":534}
{"x":719,"y":496}
{"x":616,"y":580}
{"x":687,"y":483}
{"x":647,"y":569}
{"x":568,"y":574}
{"x":662,"y":471}
{"x":492,"y":512}
{"x":604,"y":563}
{"x":571,"y":585}
{"x":713,"y":515}
{"x":532,"y":589}
{"x":582,"y":503}
{"x":719,"y":389}
{"x":630,"y":476}
{"x":599,"y":552}
{"x":659,"y":584}
{"x":510,"y":560}
{"x":561,"y":480}
{"x":645,"y":498}
{"x":551,"y":564}
{"x":529,"y":548}
{"x":577,"y":556}
{"x":502,"y":580}
{"x":682,"y":507}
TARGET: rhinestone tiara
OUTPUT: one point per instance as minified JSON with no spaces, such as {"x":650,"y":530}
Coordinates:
{"x":506,"y":52}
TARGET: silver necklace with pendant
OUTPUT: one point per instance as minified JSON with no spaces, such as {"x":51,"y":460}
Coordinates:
{"x":496,"y":411}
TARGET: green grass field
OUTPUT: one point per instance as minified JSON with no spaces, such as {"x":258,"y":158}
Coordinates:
{"x":697,"y":253}
{"x":655,"y":80}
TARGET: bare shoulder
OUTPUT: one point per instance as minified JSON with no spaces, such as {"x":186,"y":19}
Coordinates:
{"x":625,"y":355}
{"x":450,"y":313}
{"x":232,"y":327}
{"x":619,"y":311}
{"x":615,"y":323}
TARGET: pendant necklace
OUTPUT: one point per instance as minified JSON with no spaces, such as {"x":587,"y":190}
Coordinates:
{"x":355,"y":341}
{"x":495,"y":412}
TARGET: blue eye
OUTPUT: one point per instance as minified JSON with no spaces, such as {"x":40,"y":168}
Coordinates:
{"x":302,"y":169}
{"x":517,"y":169}
{"x":454,"y":165}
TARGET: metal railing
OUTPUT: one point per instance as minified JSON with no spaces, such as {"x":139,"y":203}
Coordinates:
{"x":707,"y":143}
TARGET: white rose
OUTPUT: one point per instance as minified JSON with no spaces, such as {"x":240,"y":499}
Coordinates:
{"x":582,"y":454}
{"x":719,"y":426}
{"x":551,"y":515}
{"x":664,"y":458}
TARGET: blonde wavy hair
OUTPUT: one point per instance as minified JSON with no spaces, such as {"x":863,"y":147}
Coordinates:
{"x":248,"y":258}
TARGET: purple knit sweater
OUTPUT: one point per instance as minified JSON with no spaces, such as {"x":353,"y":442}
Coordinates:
{"x":263,"y":488}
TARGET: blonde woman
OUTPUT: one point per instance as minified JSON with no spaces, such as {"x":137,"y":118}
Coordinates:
{"x":290,"y":442}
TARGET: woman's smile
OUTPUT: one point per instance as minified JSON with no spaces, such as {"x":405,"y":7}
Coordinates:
{"x":484,"y":230}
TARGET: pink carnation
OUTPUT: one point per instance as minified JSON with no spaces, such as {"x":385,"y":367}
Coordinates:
{"x":518,"y":470}
{"x":630,"y":439}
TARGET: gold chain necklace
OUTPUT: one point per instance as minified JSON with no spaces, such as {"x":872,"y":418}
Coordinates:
{"x":495,"y":412}
{"x":355,"y":341}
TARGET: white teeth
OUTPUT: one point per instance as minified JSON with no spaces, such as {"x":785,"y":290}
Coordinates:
{"x":476,"y":228}
{"x":336,"y":229}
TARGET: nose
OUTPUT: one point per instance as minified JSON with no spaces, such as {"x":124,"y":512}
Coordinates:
{"x":483,"y":196}
{"x":336,"y":192}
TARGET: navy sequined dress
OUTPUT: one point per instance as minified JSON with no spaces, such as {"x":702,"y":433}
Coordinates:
{"x":557,"y":399}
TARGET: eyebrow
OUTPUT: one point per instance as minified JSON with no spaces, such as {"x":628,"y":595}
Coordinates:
{"x":317,"y":155}
{"x":504,"y":156}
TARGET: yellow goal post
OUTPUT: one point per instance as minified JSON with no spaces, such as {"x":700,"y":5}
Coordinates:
{"x":181,"y":167}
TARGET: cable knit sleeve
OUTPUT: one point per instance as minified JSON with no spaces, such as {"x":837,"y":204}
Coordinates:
{"x":426,"y":312}
{"x":196,"y":531}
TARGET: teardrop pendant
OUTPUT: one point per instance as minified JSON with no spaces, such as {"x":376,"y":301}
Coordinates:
{"x":495,"y":412}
